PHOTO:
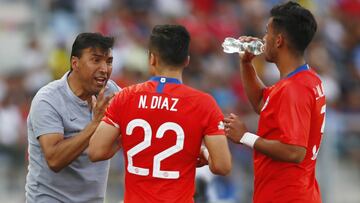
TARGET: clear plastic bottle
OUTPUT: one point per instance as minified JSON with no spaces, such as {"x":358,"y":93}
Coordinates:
{"x":232,"y":45}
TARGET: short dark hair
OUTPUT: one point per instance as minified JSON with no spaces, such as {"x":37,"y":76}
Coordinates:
{"x":297,"y":22}
{"x":91,"y":40}
{"x":171,"y":43}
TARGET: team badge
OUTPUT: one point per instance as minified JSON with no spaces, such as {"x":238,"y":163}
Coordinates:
{"x":221,"y":125}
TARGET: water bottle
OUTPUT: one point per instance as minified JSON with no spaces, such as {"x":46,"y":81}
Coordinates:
{"x":232,"y":45}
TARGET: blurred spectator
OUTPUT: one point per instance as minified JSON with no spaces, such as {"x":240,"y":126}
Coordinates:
{"x":35,"y":67}
{"x":12,"y":130}
{"x":59,"y":60}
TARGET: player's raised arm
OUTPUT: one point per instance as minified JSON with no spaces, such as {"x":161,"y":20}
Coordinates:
{"x":104,"y":142}
{"x":252,"y":83}
{"x":219,"y":155}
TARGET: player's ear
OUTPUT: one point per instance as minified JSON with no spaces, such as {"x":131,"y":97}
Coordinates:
{"x":280,"y":40}
{"x":152,"y":59}
{"x":74,"y":63}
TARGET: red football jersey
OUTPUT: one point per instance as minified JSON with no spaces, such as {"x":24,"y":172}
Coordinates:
{"x":293,"y":113}
{"x":162,"y":124}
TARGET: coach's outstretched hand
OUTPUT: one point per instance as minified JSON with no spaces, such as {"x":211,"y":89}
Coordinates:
{"x":234,"y":128}
{"x":99,"y":104}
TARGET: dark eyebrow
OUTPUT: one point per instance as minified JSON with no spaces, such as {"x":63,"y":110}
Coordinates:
{"x":101,"y":56}
{"x":97,"y":55}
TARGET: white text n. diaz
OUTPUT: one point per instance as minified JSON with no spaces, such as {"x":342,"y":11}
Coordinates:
{"x":157,"y":102}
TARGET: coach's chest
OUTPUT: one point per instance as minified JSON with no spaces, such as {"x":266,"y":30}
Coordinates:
{"x":76,"y":118}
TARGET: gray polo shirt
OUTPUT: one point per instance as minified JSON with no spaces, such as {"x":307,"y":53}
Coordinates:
{"x":56,"y":109}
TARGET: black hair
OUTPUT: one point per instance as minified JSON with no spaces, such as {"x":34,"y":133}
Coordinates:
{"x":171,"y":43}
{"x":297,"y":22}
{"x":91,"y":40}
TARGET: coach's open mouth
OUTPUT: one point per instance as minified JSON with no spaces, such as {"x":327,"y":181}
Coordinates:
{"x":100,"y":80}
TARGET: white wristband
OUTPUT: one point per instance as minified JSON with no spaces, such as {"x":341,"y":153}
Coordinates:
{"x":249,"y":139}
{"x":206,"y":153}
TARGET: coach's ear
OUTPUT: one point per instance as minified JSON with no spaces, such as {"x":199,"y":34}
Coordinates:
{"x":74,"y":63}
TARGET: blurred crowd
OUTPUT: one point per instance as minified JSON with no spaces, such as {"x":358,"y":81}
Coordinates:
{"x":36,"y":38}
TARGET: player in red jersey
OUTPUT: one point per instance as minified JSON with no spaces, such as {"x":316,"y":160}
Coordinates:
{"x":161,"y":125}
{"x":291,"y":111}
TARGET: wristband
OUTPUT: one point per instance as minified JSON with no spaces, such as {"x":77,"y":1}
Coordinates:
{"x":249,"y":139}
{"x":206,"y":154}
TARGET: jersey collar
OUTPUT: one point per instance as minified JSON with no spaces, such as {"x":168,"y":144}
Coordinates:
{"x":70,"y":93}
{"x":162,"y":81}
{"x":299,"y":69}
{"x":165,"y":80}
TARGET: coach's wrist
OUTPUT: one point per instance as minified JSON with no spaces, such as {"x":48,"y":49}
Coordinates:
{"x":249,"y":139}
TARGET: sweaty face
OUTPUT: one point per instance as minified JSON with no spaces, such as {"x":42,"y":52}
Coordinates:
{"x":95,"y":66}
{"x":269,"y":38}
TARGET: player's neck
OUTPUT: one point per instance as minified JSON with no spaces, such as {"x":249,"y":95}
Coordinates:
{"x":76,"y":87}
{"x":289,"y":63}
{"x":169,"y":73}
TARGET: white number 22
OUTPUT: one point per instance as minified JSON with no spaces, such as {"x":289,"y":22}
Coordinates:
{"x":157,"y":172}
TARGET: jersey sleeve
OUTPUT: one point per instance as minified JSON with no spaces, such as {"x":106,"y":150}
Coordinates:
{"x":113,"y":111}
{"x":266,"y":92}
{"x":215,"y":124}
{"x":294,"y":114}
{"x":45,"y":119}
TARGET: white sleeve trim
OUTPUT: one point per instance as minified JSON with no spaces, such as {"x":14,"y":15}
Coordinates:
{"x":113,"y":123}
